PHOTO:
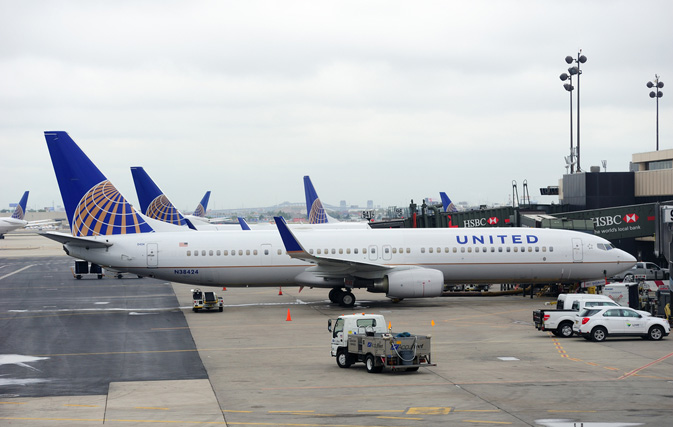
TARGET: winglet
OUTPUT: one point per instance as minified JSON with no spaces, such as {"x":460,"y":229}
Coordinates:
{"x":20,"y":211}
{"x":93,"y":205}
{"x":203,"y":206}
{"x":292,"y":245}
{"x":153,"y":202}
{"x":314,"y":210}
{"x":447,"y":204}
{"x":244,"y":224}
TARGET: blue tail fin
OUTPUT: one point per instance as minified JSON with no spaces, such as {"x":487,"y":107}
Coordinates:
{"x":203,"y":206}
{"x":153,"y":202}
{"x":243,"y":223}
{"x":447,"y":204}
{"x":93,"y":204}
{"x":315,"y":212}
{"x":20,"y":210}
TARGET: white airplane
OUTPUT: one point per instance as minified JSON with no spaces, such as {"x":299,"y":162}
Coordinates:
{"x":402,"y":263}
{"x":16,"y":221}
{"x":11,"y":223}
{"x":156,"y":205}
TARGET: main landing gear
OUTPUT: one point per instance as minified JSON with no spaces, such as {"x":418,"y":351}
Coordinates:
{"x":343,"y":297}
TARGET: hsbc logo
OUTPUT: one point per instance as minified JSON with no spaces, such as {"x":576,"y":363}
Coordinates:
{"x":606,"y":221}
{"x":480,"y":222}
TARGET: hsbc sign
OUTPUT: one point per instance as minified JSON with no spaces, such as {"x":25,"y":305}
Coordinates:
{"x":481,"y":222}
{"x":606,"y":221}
{"x":620,"y":222}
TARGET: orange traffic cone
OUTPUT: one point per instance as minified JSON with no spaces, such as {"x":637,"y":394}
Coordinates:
{"x":289,"y":318}
{"x":432,"y":323}
{"x":280,"y":290}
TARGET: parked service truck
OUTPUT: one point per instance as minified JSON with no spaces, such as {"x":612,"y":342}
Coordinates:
{"x":560,"y":321}
{"x":206,"y":301}
{"x":365,"y":338}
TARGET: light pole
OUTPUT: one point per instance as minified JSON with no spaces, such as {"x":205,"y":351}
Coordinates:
{"x":658,"y":84}
{"x":569,"y":87}
{"x":581,"y":59}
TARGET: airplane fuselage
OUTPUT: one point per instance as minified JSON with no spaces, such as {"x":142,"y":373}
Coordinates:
{"x":258,"y":257}
{"x":8,"y":224}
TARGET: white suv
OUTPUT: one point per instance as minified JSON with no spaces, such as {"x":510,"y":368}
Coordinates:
{"x":597,"y":323}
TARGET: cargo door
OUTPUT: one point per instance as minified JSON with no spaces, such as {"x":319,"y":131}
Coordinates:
{"x":152,"y":254}
{"x":577,"y":250}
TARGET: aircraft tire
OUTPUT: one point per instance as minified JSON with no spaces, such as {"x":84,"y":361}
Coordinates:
{"x":346,"y":299}
{"x":334,"y":295}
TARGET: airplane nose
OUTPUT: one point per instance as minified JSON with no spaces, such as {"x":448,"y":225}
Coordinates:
{"x":626,"y":258}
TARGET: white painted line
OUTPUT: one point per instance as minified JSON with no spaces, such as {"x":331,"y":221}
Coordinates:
{"x":17,"y":271}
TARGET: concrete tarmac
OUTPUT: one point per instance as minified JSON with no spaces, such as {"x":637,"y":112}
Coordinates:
{"x":267,"y":363}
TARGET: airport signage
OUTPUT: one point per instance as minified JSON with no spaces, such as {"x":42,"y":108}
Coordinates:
{"x":619,"y":223}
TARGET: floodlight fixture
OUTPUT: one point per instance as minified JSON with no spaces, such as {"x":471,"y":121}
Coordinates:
{"x":658,"y":94}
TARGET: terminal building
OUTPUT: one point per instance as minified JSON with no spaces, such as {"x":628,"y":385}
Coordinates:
{"x":623,"y":207}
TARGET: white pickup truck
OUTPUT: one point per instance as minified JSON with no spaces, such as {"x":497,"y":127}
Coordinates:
{"x":561,"y":321}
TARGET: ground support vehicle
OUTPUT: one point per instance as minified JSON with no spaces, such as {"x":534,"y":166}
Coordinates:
{"x":643,"y":270}
{"x":206,"y":300}
{"x":597,"y":323}
{"x":364,"y":338}
{"x":561,"y":321}
{"x":82,"y":268}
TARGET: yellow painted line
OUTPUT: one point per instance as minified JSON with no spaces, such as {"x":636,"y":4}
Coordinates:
{"x":476,"y":410}
{"x":428,"y":410}
{"x":381,"y":410}
{"x":486,"y":422}
{"x":574,"y":359}
{"x":610,"y":368}
{"x":84,"y":406}
{"x":400,"y":418}
{"x":150,"y":407}
{"x":592,"y":363}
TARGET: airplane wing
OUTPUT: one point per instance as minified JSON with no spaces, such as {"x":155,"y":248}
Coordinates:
{"x":325,"y":264}
{"x":76,"y":241}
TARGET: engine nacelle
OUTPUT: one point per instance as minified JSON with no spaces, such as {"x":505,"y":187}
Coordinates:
{"x":413,"y":283}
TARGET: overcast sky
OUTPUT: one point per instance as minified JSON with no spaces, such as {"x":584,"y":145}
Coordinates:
{"x":375,"y":100}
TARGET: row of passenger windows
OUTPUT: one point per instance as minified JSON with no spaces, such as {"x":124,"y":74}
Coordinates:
{"x":485,"y":249}
{"x":386,"y":249}
{"x":226,"y":252}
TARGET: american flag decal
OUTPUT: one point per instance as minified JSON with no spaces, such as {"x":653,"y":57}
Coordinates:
{"x":183,"y":244}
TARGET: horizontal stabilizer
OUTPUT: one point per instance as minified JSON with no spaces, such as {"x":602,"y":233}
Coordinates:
{"x":76,"y":241}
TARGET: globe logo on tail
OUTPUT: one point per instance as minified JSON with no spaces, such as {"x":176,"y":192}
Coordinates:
{"x":104,"y":211}
{"x":18,"y":212}
{"x":162,"y":209}
{"x":317,"y":214}
{"x":200,"y":211}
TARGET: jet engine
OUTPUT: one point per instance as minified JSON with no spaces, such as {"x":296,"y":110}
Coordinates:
{"x":412,"y":283}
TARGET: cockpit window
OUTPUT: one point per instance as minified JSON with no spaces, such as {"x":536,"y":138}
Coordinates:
{"x":605,"y":246}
